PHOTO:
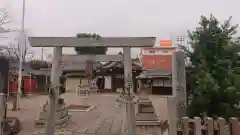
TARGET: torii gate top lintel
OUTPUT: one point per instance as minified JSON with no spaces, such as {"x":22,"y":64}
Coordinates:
{"x":86,"y":42}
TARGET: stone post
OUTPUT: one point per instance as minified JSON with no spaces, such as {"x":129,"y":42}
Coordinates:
{"x":172,"y":115}
{"x":128,"y":83}
{"x":54,"y":91}
{"x":179,"y":83}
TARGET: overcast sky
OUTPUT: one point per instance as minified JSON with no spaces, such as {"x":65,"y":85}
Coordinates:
{"x":164,"y":19}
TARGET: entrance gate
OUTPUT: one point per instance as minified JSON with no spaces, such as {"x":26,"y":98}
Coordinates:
{"x":58,"y":42}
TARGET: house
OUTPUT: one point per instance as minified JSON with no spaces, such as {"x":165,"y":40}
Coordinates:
{"x":76,"y":71}
{"x":29,"y":81}
{"x":157,"y":58}
{"x":113,"y":73}
{"x":155,"y":81}
{"x":156,"y":77}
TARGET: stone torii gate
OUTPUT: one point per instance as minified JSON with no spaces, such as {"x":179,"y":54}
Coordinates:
{"x":58,"y":42}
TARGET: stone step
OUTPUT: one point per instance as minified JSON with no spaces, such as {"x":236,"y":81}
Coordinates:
{"x":146,"y":117}
{"x":147,"y":110}
{"x":148,"y":123}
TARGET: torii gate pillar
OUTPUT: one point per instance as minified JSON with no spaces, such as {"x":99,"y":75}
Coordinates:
{"x":55,"y":75}
{"x":128,"y":83}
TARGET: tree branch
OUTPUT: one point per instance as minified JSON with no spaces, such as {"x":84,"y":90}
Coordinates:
{"x":4,"y":17}
{"x":14,"y":50}
{"x":188,"y":53}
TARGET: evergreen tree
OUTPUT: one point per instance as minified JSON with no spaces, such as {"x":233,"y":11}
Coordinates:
{"x":215,"y":70}
{"x":90,"y":50}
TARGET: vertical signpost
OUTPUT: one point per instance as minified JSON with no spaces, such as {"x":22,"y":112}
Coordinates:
{"x":181,"y":94}
{"x":177,"y":104}
{"x":125,"y":42}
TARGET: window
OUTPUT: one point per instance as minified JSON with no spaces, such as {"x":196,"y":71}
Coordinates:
{"x":152,"y":52}
{"x":153,"y":62}
{"x":158,"y":82}
{"x":119,"y":76}
{"x":168,"y":83}
{"x":165,"y":51}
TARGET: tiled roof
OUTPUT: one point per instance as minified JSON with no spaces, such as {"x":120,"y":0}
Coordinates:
{"x":41,"y":72}
{"x":135,"y":65}
{"x":80,"y":66}
{"x":151,"y":73}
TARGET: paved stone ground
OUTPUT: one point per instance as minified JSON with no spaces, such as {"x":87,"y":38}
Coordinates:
{"x":105,"y":119}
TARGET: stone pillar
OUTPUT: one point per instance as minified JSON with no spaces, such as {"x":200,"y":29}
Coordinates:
{"x":179,"y":83}
{"x":54,"y":92}
{"x":128,"y":83}
{"x":127,"y":60}
{"x":172,"y":115}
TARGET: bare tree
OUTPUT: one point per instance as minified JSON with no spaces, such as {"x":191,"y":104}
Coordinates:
{"x":4,"y":17}
{"x":13,"y":48}
{"x":14,"y":51}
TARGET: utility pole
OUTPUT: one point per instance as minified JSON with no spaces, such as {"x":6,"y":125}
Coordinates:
{"x":22,"y":42}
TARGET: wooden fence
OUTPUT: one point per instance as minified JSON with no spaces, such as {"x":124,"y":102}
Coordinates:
{"x":208,"y":126}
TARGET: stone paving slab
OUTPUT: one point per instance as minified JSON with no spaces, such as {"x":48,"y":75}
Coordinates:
{"x":117,"y":125}
{"x":95,"y":127}
{"x":104,"y":119}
